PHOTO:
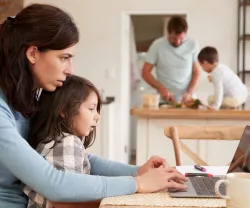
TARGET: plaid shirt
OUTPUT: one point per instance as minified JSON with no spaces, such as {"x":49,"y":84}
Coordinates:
{"x":68,"y":155}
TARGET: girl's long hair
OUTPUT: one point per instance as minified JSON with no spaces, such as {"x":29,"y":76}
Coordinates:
{"x":48,"y":125}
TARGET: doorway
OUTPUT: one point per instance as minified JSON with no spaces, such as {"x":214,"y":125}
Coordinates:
{"x":139,"y":30}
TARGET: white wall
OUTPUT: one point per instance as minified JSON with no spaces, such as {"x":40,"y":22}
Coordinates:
{"x":212,"y":22}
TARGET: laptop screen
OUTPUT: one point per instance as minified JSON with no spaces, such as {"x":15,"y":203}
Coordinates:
{"x":241,"y":159}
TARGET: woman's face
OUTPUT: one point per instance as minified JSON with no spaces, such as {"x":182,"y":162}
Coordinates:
{"x":51,"y":68}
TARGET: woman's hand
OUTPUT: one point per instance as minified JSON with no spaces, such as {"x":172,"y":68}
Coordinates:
{"x":153,"y":162}
{"x":160,"y":178}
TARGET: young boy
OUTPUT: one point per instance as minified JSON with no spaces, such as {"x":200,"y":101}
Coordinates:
{"x":229,"y":91}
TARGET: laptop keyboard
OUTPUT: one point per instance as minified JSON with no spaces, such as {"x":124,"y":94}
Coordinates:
{"x":206,"y":185}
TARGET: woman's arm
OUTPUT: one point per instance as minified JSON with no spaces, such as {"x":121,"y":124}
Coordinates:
{"x":101,"y":166}
{"x":58,"y":186}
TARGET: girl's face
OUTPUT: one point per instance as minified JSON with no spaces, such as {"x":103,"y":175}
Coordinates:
{"x":87,"y":118}
{"x":50,"y":68}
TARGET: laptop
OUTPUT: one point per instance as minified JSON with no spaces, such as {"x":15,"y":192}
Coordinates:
{"x":200,"y":186}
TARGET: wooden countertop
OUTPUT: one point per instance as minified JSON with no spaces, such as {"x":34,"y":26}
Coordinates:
{"x":190,"y":113}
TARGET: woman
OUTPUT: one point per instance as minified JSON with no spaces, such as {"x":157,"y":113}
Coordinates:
{"x":36,"y":50}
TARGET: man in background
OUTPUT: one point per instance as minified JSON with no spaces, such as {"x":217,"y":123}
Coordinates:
{"x":175,"y":60}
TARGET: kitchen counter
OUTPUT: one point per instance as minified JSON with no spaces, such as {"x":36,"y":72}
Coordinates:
{"x":190,"y":113}
{"x":150,"y":138}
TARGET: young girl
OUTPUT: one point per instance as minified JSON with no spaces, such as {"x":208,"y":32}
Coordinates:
{"x":64,"y":127}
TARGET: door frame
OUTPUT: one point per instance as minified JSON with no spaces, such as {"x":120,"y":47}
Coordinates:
{"x":125,"y":74}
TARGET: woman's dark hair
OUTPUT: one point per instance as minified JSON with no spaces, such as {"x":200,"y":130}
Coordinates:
{"x":44,"y":26}
{"x":48,"y":125}
{"x":177,"y":24}
{"x":209,"y":54}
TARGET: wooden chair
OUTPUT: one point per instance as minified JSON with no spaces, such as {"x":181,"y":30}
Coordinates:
{"x":176,"y":133}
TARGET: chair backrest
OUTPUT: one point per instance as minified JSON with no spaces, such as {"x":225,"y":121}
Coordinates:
{"x":176,"y":133}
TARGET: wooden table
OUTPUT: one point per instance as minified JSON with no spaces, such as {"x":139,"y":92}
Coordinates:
{"x":97,"y":204}
{"x":150,"y":139}
{"x":162,"y":198}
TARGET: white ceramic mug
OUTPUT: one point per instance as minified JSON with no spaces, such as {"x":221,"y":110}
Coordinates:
{"x":237,"y":190}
